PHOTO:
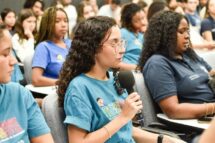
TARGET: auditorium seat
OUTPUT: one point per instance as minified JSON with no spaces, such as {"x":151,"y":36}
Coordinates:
{"x":54,"y":116}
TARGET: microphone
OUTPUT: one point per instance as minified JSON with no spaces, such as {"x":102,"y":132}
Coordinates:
{"x":126,"y":80}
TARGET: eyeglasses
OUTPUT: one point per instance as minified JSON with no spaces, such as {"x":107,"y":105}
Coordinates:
{"x":117,"y":44}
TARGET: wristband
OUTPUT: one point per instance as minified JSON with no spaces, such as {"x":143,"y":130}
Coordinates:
{"x":160,"y":138}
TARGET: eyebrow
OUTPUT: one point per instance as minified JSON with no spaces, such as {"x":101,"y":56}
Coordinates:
{"x":8,"y":49}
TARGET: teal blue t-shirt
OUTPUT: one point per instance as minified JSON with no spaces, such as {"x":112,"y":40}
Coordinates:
{"x":134,"y":44}
{"x":20,"y":116}
{"x":90,"y":104}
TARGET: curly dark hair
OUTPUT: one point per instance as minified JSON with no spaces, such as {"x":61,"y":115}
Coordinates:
{"x":161,"y":37}
{"x":127,"y":13}
{"x":87,"y":42}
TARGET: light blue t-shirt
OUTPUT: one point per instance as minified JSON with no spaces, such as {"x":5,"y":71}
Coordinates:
{"x":133,"y":47}
{"x":90,"y":104}
{"x":50,"y":57}
{"x":20,"y":116}
{"x":17,"y":75}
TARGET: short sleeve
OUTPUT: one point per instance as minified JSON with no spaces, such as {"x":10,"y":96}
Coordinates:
{"x":36,"y":123}
{"x":205,"y":64}
{"x":159,"y":79}
{"x":77,"y":110}
{"x":206,"y":26}
{"x":41,"y":56}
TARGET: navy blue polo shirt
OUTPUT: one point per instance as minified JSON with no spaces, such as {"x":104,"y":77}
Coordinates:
{"x":185,"y":78}
{"x":208,"y":24}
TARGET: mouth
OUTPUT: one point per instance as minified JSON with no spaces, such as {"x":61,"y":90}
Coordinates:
{"x":187,"y":45}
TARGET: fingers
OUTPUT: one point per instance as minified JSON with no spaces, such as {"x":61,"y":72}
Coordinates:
{"x":134,"y":100}
{"x":133,"y":96}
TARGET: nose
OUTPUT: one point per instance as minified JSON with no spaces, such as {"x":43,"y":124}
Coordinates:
{"x":13,"y":60}
{"x":122,"y":50}
{"x":187,"y":34}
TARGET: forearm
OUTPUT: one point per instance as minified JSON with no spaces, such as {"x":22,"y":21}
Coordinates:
{"x":208,"y":135}
{"x":189,"y":110}
{"x":47,"y":138}
{"x":141,"y":136}
{"x":103,"y":134}
{"x":43,"y":81}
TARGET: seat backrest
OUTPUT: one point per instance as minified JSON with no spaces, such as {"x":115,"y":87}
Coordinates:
{"x":150,"y":109}
{"x":28,"y":68}
{"x":55,"y":116}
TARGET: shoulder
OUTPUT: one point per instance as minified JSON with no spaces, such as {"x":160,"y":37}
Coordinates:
{"x":15,"y":36}
{"x":44,"y":45}
{"x":206,"y":21}
{"x":15,"y":90}
{"x":157,"y":59}
{"x":125,"y":31}
{"x":78,"y":83}
{"x":68,"y":42}
{"x":156,"y":62}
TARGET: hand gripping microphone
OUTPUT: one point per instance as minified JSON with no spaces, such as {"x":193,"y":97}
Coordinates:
{"x":126,"y":80}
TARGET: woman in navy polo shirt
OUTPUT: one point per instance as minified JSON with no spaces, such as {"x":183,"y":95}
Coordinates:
{"x":175,"y":76}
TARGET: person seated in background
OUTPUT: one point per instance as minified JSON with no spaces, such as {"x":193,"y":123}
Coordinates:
{"x":21,"y":119}
{"x":208,"y":24}
{"x":23,"y":40}
{"x":155,"y":7}
{"x":175,"y":6}
{"x":85,"y":10}
{"x":176,"y":77}
{"x":9,"y":19}
{"x":52,"y":48}
{"x":37,"y":6}
{"x":96,"y":109}
{"x":111,"y":10}
{"x":94,"y":5}
{"x":70,"y":11}
{"x":192,"y":14}
{"x":133,"y":19}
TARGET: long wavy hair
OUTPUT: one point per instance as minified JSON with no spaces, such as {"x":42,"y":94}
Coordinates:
{"x":47,"y":26}
{"x":87,"y":42}
{"x":161,"y":37}
{"x":23,"y":15}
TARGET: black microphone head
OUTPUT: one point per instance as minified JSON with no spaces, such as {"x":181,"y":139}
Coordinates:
{"x":126,"y":80}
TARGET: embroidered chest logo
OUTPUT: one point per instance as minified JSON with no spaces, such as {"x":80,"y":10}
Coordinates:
{"x":60,"y":58}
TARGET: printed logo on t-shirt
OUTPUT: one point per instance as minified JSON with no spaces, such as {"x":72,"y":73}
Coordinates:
{"x":10,"y":129}
{"x":138,"y":43}
{"x":60,"y":58}
{"x":100,"y":101}
{"x":111,"y":110}
{"x":193,"y":77}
